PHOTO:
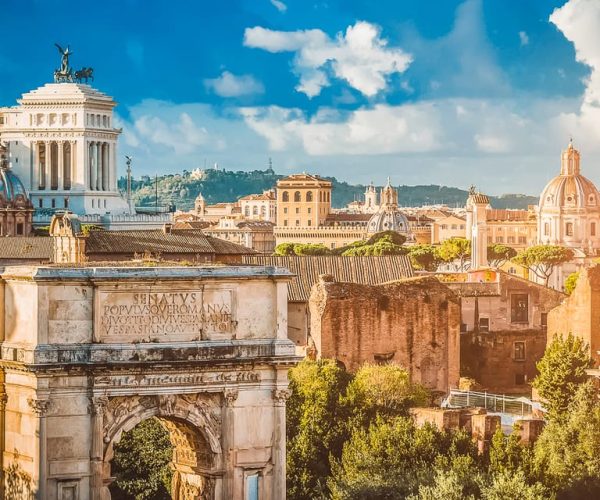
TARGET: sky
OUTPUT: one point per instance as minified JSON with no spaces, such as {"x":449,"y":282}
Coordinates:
{"x":483,"y":92}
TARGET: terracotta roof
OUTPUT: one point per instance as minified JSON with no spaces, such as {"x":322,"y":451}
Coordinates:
{"x":192,"y":241}
{"x":332,"y":218}
{"x":26,"y":247}
{"x":258,"y":197}
{"x":366,"y":270}
{"x":508,"y":215}
{"x":192,"y":224}
{"x":479,"y":198}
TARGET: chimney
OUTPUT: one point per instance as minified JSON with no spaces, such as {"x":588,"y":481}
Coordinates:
{"x":168,"y":228}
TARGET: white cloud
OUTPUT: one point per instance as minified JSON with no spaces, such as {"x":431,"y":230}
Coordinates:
{"x":579,"y":21}
{"x":523,"y":38}
{"x":360,"y":56}
{"x":230,"y":85}
{"x":279,"y":5}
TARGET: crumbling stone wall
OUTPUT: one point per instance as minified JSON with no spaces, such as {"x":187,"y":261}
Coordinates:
{"x":413,"y":322}
{"x":580,"y":313}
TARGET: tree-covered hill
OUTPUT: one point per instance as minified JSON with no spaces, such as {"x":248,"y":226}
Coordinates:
{"x":224,"y":186}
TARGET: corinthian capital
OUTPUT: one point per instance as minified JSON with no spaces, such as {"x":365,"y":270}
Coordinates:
{"x":98,"y":405}
{"x":39,"y":406}
{"x":280,"y":396}
{"x":230,"y":396}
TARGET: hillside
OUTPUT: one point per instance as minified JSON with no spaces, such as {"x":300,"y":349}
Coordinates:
{"x":224,"y":186}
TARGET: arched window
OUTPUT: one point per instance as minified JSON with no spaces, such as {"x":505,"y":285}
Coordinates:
{"x":285,"y":196}
{"x":297,"y":196}
{"x":254,"y":210}
{"x":309,"y":196}
{"x":247,"y":211}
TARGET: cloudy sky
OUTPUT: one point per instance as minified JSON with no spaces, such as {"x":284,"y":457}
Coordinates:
{"x":427,"y":92}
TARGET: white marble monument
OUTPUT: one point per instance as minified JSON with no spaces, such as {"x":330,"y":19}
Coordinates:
{"x":88,"y":353}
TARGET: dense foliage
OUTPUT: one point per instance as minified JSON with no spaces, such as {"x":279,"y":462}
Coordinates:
{"x":571,"y":283}
{"x":561,"y":371}
{"x":357,"y":442}
{"x":455,"y":251}
{"x":141,"y":463}
{"x":226,"y":186}
{"x":499,"y":254}
{"x":424,"y":257}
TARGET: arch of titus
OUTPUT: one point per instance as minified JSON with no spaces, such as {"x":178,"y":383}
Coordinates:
{"x":88,"y":353}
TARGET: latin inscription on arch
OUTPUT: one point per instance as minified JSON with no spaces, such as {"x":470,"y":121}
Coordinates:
{"x":163,"y":315}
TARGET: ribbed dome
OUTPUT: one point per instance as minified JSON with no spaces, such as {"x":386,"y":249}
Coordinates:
{"x":570,"y":189}
{"x":388,"y":220}
{"x":389,"y":217}
{"x":11,"y":187}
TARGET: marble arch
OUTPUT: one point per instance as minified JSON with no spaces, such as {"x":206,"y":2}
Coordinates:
{"x":88,"y":353}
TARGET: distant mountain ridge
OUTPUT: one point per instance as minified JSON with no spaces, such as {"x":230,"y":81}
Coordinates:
{"x":227,"y":186}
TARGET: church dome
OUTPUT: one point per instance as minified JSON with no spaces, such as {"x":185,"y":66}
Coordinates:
{"x":388,"y":220}
{"x":570,"y":189}
{"x":388,"y":217}
{"x":12,"y":190}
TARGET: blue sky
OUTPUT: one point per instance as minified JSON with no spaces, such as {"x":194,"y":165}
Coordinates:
{"x":445,"y":92}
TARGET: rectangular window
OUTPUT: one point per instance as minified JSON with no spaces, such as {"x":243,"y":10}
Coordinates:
{"x":444,"y":226}
{"x":544,"y":321}
{"x":499,"y":239}
{"x":510,"y":239}
{"x":53,"y":203}
{"x":522,"y":240}
{"x":484,"y":325}
{"x":285,"y":210}
{"x":252,"y":487}
{"x":519,"y":351}
{"x":297,"y":222}
{"x":285,"y":222}
{"x":454,"y":226}
{"x":297,"y":210}
{"x":41,"y":203}
{"x":19,"y":228}
{"x":463,"y":328}
{"x":519,"y":379}
{"x":489,"y":239}
{"x":593,"y":229}
{"x":309,"y":222}
{"x":308,"y":209}
{"x":569,"y":229}
{"x":519,"y":308}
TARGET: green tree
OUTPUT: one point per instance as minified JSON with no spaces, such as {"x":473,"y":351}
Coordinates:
{"x":514,"y":486}
{"x":567,"y":454}
{"x":383,"y":246}
{"x":391,"y":459}
{"x":424,"y":256}
{"x":393,"y":236}
{"x":284,"y":249}
{"x":456,"y":250}
{"x":571,"y":283}
{"x":560,"y":372}
{"x":310,"y":249}
{"x":141,"y":463}
{"x":315,"y":426}
{"x":382,"y":390}
{"x":542,"y":259}
{"x":499,"y":254}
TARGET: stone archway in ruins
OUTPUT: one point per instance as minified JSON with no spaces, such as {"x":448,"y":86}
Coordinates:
{"x":193,"y":422}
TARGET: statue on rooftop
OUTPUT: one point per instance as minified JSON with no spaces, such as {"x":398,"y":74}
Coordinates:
{"x":64,"y":73}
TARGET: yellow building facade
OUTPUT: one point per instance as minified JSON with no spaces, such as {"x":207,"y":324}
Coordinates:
{"x":303,"y":201}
